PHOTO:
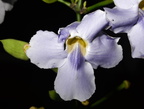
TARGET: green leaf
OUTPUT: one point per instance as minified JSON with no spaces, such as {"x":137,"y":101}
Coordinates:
{"x":50,"y":1}
{"x":54,"y":96}
{"x":15,"y":48}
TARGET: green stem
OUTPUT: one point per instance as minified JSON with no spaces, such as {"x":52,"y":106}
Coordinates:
{"x":97,"y":5}
{"x":64,"y":2}
{"x":124,"y":85}
{"x":101,"y":100}
{"x":78,"y":17}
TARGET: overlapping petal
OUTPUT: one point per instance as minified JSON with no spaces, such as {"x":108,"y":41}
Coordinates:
{"x":126,"y":4}
{"x":45,"y":51}
{"x":91,"y":25}
{"x":75,"y":79}
{"x":104,"y":51}
{"x":65,"y":32}
{"x":121,"y":20}
{"x":136,"y":38}
{"x":128,"y":18}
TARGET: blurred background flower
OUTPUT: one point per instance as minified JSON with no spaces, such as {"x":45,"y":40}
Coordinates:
{"x":5,"y":5}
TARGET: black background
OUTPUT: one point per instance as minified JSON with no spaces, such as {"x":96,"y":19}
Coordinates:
{"x":23,"y":85}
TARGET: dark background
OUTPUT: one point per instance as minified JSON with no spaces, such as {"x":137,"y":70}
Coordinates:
{"x":23,"y":85}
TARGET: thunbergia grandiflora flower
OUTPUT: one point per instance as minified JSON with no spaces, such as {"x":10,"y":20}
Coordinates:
{"x":127,"y":17}
{"x":5,"y":6}
{"x":75,"y":51}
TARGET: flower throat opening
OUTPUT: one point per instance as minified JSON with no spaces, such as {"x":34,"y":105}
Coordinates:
{"x":72,"y":42}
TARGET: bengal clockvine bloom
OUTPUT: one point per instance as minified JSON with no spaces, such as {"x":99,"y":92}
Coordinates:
{"x":75,"y":51}
{"x":127,"y":17}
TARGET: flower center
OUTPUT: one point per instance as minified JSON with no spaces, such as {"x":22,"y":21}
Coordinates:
{"x":72,"y":42}
{"x":141,"y":5}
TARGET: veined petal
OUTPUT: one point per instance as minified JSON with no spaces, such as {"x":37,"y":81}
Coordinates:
{"x":65,"y":32}
{"x":75,"y":79}
{"x":92,"y":24}
{"x":136,"y":38}
{"x":45,"y":51}
{"x":121,"y":20}
{"x":126,"y":4}
{"x":104,"y":51}
{"x":76,"y":58}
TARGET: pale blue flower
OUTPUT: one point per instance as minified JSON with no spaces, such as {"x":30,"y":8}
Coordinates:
{"x":127,"y":17}
{"x":75,"y":51}
{"x":136,"y":37}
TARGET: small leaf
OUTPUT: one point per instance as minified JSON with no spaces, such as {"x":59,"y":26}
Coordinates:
{"x":15,"y":48}
{"x":54,"y":96}
{"x":50,"y":1}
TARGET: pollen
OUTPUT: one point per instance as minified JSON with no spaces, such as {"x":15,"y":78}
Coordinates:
{"x":71,"y":42}
{"x":26,"y":47}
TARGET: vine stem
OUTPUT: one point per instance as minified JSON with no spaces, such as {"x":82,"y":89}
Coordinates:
{"x":100,"y":4}
{"x":124,"y":85}
{"x":78,"y":15}
{"x":65,"y":3}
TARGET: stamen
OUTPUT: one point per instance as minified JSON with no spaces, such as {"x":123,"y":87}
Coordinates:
{"x":26,"y":47}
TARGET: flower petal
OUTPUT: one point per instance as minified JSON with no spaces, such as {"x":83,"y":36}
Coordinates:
{"x":2,"y":12}
{"x":76,"y":58}
{"x":12,"y":2}
{"x":92,"y":24}
{"x":136,"y":38}
{"x":75,"y":81}
{"x":121,"y":20}
{"x":45,"y":51}
{"x":4,"y":7}
{"x":125,"y":4}
{"x":104,"y":51}
{"x":65,"y":32}
{"x":7,"y":6}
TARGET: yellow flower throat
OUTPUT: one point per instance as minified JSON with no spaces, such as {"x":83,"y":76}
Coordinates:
{"x":72,"y":42}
